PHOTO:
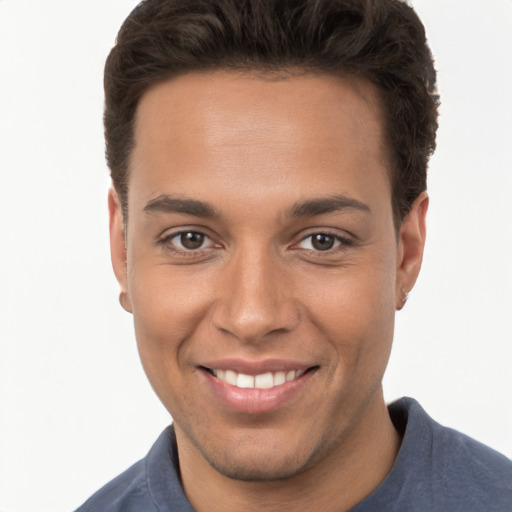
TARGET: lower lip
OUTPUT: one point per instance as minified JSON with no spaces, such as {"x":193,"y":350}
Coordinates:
{"x":257,"y":401}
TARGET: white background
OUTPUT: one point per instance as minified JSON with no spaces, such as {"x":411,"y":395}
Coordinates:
{"x":75,"y":408}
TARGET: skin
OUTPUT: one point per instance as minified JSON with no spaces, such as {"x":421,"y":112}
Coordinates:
{"x":258,"y":289}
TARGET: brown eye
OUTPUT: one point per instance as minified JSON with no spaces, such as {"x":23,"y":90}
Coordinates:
{"x":191,"y":240}
{"x":322,"y":242}
{"x":192,"y":245}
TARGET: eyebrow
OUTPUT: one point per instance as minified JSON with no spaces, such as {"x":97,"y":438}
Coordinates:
{"x":324,"y":205}
{"x":169,"y":204}
{"x":319,"y":206}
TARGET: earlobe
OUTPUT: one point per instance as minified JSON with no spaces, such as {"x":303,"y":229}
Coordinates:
{"x":410,"y":249}
{"x":118,"y":247}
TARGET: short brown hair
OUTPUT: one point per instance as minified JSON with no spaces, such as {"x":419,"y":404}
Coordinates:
{"x":381,"y":40}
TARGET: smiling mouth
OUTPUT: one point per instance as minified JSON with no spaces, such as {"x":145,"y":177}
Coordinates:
{"x":265,"y":380}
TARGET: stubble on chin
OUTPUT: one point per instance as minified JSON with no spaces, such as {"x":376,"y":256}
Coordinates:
{"x":245,"y":464}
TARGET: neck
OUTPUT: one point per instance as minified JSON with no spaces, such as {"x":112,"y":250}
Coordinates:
{"x":353,"y":470}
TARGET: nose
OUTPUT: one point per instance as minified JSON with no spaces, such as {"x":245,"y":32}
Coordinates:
{"x":255,"y":298}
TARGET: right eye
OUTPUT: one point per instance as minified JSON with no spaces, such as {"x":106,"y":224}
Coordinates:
{"x":188,"y":241}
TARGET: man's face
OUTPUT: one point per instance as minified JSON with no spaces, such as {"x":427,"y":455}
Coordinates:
{"x":262,"y":265}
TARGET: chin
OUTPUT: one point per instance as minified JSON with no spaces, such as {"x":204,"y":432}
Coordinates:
{"x":264,"y":465}
{"x":256,"y":471}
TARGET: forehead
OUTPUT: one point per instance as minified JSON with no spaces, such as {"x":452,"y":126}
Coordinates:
{"x":214,"y":103}
{"x":249,"y":131}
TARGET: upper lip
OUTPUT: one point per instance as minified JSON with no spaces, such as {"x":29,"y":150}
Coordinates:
{"x":248,"y":367}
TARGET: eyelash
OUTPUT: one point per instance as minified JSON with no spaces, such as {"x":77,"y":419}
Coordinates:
{"x":167,"y":241}
{"x":341,"y":243}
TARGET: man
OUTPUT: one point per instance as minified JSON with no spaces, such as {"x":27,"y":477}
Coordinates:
{"x":267,"y":220}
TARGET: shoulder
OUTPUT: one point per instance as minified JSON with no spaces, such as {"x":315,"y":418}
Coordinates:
{"x":456,"y":471}
{"x":150,"y":485}
{"x":456,"y":449}
{"x":126,"y":492}
{"x":472,"y":469}
{"x":452,"y":451}
{"x":438,"y":468}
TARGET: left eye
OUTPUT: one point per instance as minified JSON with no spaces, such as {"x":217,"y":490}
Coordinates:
{"x":320,"y":242}
{"x":189,"y":240}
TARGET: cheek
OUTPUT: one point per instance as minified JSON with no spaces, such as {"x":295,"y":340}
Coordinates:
{"x":167,"y":312}
{"x":355,"y":311}
{"x":167,"y":309}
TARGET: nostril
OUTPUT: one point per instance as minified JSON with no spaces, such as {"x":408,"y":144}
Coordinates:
{"x":251,"y":322}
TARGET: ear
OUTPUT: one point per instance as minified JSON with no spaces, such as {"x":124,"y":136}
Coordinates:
{"x":410,"y":248}
{"x":118,"y":247}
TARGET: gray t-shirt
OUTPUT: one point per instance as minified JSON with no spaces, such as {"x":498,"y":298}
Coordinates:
{"x":437,"y":470}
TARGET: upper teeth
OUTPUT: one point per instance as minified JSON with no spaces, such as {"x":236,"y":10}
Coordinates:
{"x":261,"y":381}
